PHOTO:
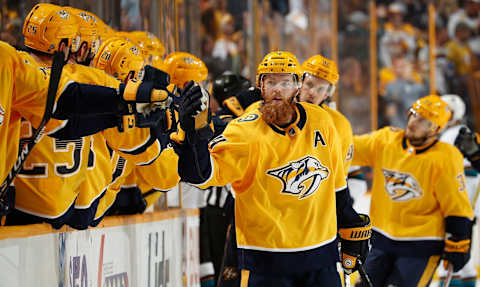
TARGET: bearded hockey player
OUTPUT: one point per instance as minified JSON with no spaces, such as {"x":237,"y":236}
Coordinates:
{"x":420,"y":210}
{"x":285,"y":164}
{"x":233,"y":94}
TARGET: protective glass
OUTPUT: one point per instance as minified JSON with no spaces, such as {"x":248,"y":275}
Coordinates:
{"x":272,"y":83}
{"x":419,"y":120}
{"x":316,"y":87}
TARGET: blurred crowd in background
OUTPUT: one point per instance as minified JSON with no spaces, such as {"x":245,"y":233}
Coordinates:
{"x":221,"y":33}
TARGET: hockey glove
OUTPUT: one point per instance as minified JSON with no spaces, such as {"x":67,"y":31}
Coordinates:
{"x":456,"y":252}
{"x":194,"y":113}
{"x":467,"y":143}
{"x":146,"y":102}
{"x":241,"y":101}
{"x":354,"y":243}
{"x":458,"y":240}
{"x":159,"y":78}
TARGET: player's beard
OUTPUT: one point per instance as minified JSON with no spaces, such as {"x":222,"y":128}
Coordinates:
{"x":275,"y":112}
{"x":417,"y":140}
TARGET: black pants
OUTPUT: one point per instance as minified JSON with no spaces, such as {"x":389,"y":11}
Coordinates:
{"x":325,"y":277}
{"x":386,"y":269}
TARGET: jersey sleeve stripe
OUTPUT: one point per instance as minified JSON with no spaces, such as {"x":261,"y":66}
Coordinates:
{"x":140,"y":148}
{"x":341,"y":188}
{"x":152,"y":160}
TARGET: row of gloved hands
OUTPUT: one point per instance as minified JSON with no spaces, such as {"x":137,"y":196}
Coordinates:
{"x":153,"y":102}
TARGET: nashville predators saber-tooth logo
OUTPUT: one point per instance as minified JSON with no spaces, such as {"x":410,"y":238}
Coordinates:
{"x":401,"y":186}
{"x":301,"y":177}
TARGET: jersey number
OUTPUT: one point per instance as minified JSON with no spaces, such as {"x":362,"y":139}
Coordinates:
{"x":62,"y":169}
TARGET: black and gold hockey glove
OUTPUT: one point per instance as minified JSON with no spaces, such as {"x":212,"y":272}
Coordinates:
{"x":354,"y":241}
{"x":456,"y":252}
{"x":194,"y":113}
{"x":147,"y":100}
{"x":467,"y":143}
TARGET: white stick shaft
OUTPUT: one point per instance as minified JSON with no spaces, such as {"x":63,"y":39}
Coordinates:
{"x":449,"y":275}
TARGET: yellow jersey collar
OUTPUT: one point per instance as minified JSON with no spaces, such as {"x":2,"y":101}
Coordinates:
{"x":416,"y":149}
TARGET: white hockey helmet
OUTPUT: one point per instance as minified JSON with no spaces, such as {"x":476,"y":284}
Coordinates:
{"x":456,"y":104}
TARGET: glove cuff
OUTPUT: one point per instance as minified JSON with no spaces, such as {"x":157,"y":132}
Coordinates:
{"x":459,"y":227}
{"x":358,"y":232}
{"x":461,"y":246}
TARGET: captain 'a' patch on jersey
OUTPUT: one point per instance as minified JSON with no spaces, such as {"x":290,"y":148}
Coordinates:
{"x":301,"y":177}
{"x":401,"y":186}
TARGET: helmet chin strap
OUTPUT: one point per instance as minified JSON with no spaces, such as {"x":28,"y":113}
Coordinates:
{"x":295,"y":97}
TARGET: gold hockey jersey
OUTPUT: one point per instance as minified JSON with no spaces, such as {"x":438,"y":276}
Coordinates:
{"x":284,"y":179}
{"x":414,"y":188}
{"x":161,"y":175}
{"x":344,"y":130}
{"x":23,"y":92}
{"x":87,"y":170}
{"x":343,"y":127}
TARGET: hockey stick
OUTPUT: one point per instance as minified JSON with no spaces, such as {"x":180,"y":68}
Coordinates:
{"x":475,"y":196}
{"x":449,"y":277}
{"x":364,"y":274}
{"x":224,"y":258}
{"x":346,"y":279}
{"x":55,"y":73}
